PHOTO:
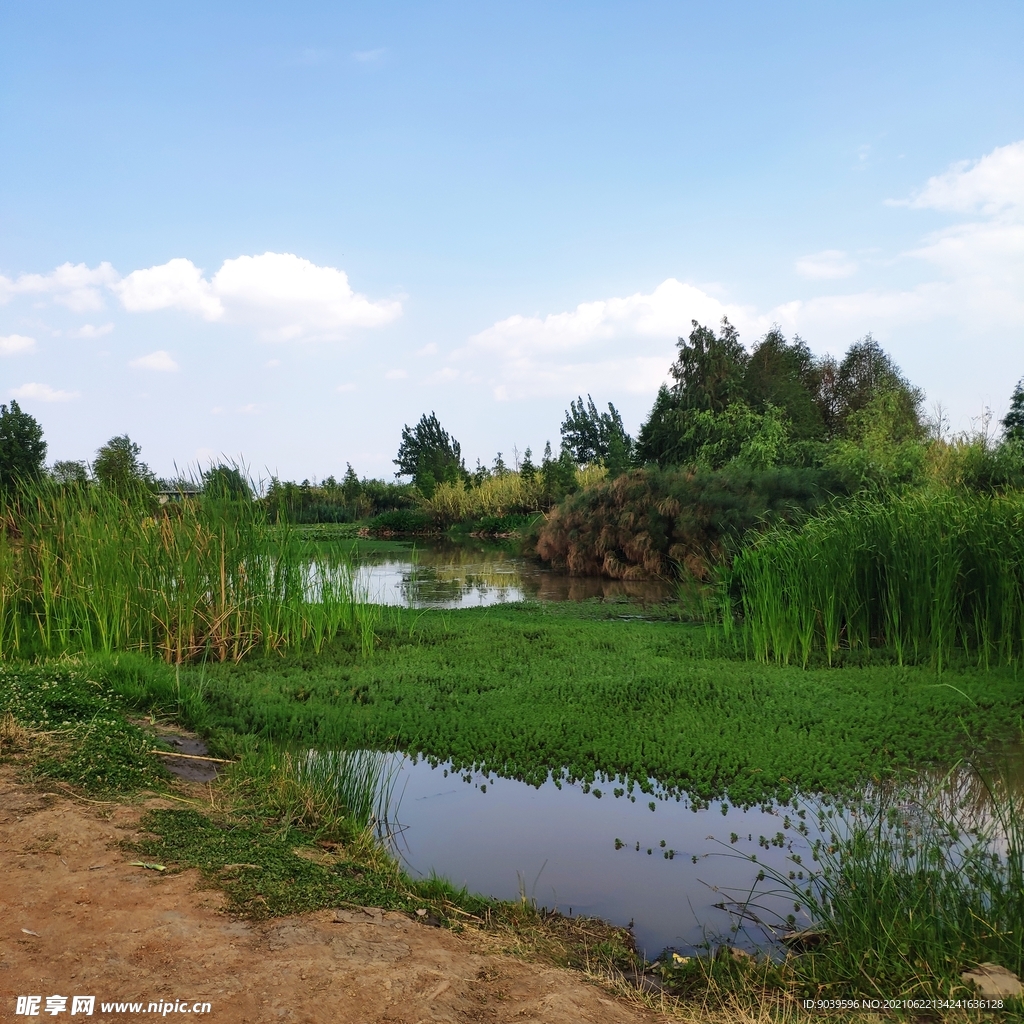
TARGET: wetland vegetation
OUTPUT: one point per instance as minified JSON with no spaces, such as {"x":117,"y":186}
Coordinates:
{"x":850,"y":612}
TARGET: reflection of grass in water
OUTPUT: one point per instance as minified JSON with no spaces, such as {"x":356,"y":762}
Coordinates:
{"x":526,"y":690}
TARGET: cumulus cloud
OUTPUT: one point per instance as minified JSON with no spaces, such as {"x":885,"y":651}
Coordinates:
{"x":827,"y":265}
{"x":991,"y":185}
{"x":159,"y":360}
{"x":286,"y":296}
{"x":42,"y":393}
{"x":76,"y":286}
{"x":16,"y":344}
{"x":626,"y":342}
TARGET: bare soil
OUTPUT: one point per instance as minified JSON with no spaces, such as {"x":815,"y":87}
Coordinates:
{"x":77,"y":919}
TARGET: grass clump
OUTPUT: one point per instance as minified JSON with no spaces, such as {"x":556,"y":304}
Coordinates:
{"x":929,"y":577}
{"x":83,"y":569}
{"x":73,"y":729}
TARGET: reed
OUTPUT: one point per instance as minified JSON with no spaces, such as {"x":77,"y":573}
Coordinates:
{"x":911,"y":887}
{"x":85,"y":570}
{"x":929,"y":576}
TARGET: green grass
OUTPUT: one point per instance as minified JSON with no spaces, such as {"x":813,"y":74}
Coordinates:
{"x":910,"y":886}
{"x":82,"y":735}
{"x":931,"y":577}
{"x":83,"y":570}
{"x":527,"y":690}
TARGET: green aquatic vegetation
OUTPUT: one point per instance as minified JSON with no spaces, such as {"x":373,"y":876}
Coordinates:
{"x":930,"y":577}
{"x":83,"y":569}
{"x":529,"y":691}
{"x":909,"y":887}
{"x":78,"y":729}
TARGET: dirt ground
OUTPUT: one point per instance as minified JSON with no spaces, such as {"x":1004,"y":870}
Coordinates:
{"x":77,"y":919}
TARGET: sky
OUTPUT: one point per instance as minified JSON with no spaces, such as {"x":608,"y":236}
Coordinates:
{"x":278,"y":232}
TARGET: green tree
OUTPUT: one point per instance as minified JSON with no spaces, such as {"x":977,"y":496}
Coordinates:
{"x":119,"y":468}
{"x":350,"y":486}
{"x":1013,"y":421}
{"x":866,"y":373}
{"x":784,"y":375}
{"x":709,"y":368}
{"x":69,"y":472}
{"x":591,"y":436}
{"x":226,"y":482}
{"x":429,"y":455}
{"x":22,"y":448}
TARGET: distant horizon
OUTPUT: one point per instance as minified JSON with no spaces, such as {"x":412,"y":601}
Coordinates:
{"x":279,"y":235}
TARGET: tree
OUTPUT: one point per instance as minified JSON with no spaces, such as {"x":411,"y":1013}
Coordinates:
{"x":22,"y":448}
{"x":868,"y":372}
{"x":784,"y":375}
{"x":709,"y":368}
{"x":69,"y":471}
{"x":1013,"y":421}
{"x":429,"y":455}
{"x":226,"y":482}
{"x":119,"y":468}
{"x":591,"y":436}
{"x":350,"y":486}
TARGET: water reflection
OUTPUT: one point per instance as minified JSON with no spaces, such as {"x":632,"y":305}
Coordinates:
{"x":446,"y":575}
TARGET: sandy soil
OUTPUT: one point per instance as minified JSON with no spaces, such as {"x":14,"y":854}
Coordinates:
{"x":126,"y":934}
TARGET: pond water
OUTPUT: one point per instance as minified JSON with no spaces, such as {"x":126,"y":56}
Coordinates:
{"x":503,"y":838}
{"x":443,"y":574}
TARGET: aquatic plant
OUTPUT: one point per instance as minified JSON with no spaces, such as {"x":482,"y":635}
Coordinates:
{"x":909,"y":887}
{"x":926,"y":576}
{"x":86,"y":569}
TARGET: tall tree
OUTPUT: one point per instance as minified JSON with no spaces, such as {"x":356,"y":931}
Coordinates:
{"x":22,"y":448}
{"x":226,"y":482}
{"x":429,"y":455}
{"x":866,"y":374}
{"x":784,"y":375}
{"x":1013,"y":421}
{"x":591,"y":436}
{"x":119,"y":467}
{"x":709,"y":368}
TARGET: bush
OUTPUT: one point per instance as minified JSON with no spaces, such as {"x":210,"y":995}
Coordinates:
{"x":401,"y":520}
{"x":650,"y":522}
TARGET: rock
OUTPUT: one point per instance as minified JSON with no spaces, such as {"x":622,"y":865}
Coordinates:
{"x":993,"y":982}
{"x":735,"y":954}
{"x":802,"y":941}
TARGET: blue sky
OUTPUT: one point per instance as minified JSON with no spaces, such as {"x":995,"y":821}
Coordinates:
{"x":282,"y":231}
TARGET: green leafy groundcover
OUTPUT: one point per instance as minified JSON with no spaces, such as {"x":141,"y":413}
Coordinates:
{"x":524,"y":691}
{"x":89,"y":742}
{"x":264,"y":877}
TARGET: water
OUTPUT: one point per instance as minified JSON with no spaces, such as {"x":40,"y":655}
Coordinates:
{"x":440,"y":574}
{"x":503,"y":838}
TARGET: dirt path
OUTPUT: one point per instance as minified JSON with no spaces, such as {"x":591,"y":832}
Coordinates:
{"x":125,"y":934}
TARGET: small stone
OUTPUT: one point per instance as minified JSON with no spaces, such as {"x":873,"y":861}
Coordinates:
{"x":421,"y":912}
{"x":993,"y":982}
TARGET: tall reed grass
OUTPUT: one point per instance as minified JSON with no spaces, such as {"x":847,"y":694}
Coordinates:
{"x":84,"y":570}
{"x":927,"y":576}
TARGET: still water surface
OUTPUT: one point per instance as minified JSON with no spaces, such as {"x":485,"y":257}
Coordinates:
{"x":443,"y":574}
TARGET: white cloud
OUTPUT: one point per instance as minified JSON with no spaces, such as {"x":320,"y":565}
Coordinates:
{"x":826,"y":265}
{"x":991,"y":185}
{"x":343,"y":388}
{"x":177,"y":284}
{"x":972,"y":280}
{"x":396,"y":374}
{"x":73,"y":285}
{"x":16,"y":344}
{"x":427,"y":350}
{"x":286,"y":296}
{"x":42,"y":393}
{"x":619,"y":342}
{"x":91,"y":331}
{"x":159,"y":360}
